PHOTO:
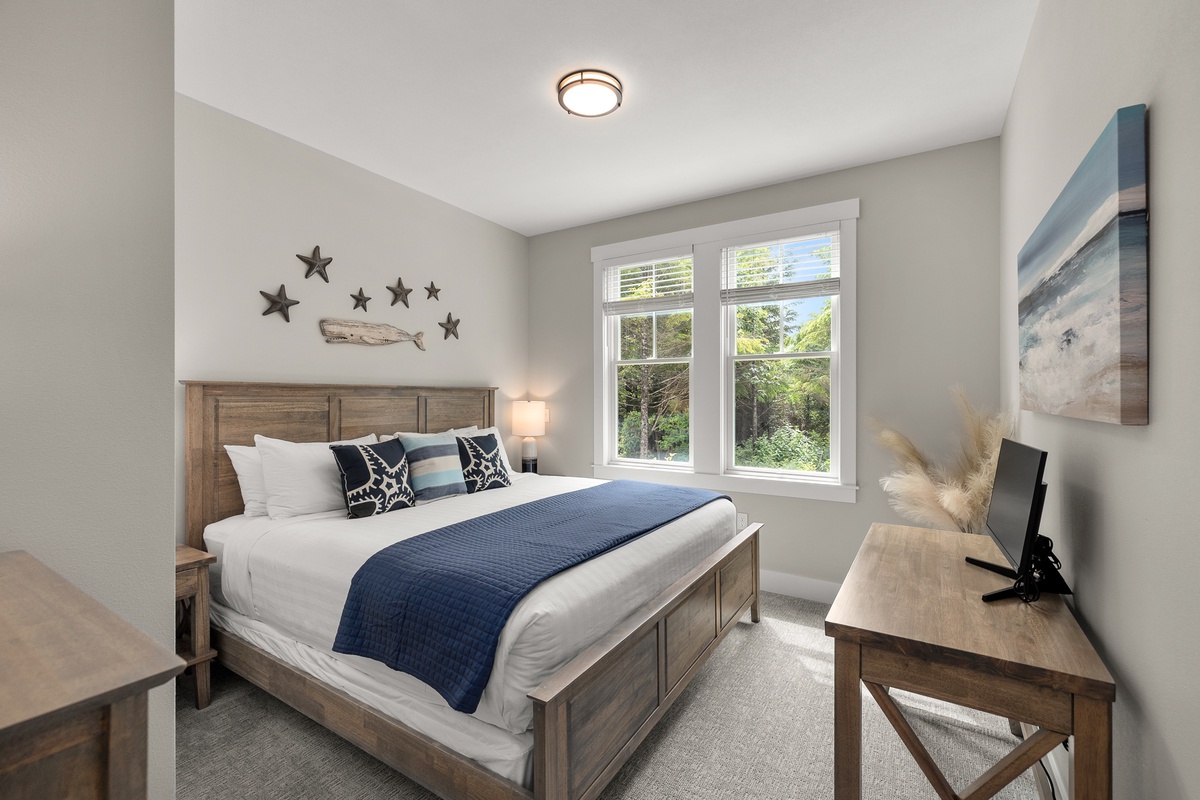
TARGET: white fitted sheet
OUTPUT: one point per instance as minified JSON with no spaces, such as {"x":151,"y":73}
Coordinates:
{"x":292,"y":577}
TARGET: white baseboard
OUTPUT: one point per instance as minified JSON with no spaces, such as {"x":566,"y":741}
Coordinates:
{"x":798,"y":586}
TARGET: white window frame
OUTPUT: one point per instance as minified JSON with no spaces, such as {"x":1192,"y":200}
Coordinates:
{"x":711,"y":381}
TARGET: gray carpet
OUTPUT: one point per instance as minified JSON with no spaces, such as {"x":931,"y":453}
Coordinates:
{"x":756,"y":723}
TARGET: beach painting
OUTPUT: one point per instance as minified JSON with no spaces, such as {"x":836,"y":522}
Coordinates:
{"x":1081,"y":287}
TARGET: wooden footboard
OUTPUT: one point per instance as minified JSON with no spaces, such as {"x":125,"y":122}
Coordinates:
{"x":588,"y":718}
{"x":429,"y":763}
{"x":594,"y":712}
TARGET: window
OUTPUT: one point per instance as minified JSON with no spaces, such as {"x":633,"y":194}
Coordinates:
{"x":650,"y":308}
{"x":725,"y":355}
{"x":778,"y":299}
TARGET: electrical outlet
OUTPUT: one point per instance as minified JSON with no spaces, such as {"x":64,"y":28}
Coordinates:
{"x":742,"y":521}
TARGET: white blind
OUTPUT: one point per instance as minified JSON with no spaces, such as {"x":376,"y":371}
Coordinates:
{"x":785,"y":269}
{"x":644,"y":288}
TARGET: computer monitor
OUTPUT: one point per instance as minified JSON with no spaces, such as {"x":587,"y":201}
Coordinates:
{"x":1018,"y":493}
{"x":1014,"y":516}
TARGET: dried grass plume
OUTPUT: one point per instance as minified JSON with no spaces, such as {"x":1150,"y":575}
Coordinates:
{"x":948,"y":498}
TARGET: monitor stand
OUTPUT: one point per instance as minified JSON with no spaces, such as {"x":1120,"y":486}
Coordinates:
{"x":1042,"y":576}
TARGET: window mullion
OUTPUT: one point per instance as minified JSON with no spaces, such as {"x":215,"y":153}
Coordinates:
{"x":707,"y":367}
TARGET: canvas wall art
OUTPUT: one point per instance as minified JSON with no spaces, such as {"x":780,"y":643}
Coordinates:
{"x":1081,"y":287}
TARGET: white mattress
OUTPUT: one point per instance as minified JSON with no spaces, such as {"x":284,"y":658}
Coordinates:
{"x":287,"y":580}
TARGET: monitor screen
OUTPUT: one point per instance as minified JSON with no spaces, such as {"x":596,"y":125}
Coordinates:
{"x":1016,"y":505}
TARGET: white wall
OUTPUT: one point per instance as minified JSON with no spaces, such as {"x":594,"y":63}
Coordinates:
{"x":927,"y":243}
{"x":248,"y":200}
{"x":86,"y":303}
{"x":1119,"y":507}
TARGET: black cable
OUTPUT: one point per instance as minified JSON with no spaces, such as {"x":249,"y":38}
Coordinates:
{"x":1049,"y":554}
{"x":1049,"y":780}
{"x":1026,"y":587}
{"x":1042,"y":764}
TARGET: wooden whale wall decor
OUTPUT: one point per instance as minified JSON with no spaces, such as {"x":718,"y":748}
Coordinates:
{"x":346,"y":331}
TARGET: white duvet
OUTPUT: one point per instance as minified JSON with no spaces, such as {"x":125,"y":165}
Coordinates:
{"x":291,"y":578}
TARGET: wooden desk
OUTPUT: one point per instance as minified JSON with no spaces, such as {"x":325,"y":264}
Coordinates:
{"x":191,"y":583}
{"x":73,"y":683}
{"x":909,"y":616}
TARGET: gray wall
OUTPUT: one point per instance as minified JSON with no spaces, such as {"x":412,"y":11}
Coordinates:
{"x":248,"y":200}
{"x":927,"y":311}
{"x":1118,"y":507}
{"x":86,"y":300}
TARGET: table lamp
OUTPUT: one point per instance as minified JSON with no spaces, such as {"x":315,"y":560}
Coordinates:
{"x":528,"y":420}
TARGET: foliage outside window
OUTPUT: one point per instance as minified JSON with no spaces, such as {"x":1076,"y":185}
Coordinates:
{"x":725,"y":355}
{"x":653,"y":366}
{"x":782,"y":351}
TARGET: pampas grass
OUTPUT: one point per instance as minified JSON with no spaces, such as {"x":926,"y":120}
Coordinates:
{"x":948,"y":498}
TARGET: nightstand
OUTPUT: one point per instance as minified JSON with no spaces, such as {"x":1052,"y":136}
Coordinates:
{"x":191,"y":584}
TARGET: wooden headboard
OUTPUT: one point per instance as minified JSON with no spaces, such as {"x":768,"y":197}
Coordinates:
{"x":217,"y":414}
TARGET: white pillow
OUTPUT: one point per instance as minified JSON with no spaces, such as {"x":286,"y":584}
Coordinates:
{"x":302,"y":477}
{"x":469,"y":430}
{"x":247,"y":463}
{"x":500,"y":439}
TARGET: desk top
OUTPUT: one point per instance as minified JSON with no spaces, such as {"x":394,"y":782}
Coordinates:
{"x":910,"y":590}
{"x":65,"y":652}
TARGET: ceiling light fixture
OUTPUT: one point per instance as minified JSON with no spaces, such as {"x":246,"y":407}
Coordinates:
{"x":589,"y":93}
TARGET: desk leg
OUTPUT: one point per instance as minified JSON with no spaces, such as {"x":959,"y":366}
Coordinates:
{"x":847,"y":720}
{"x":1091,"y":765}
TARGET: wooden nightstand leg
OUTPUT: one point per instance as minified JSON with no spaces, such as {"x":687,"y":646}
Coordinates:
{"x":203,"y":684}
{"x":200,"y":639}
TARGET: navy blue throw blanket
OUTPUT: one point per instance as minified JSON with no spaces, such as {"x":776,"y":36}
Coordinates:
{"x":433,"y":605}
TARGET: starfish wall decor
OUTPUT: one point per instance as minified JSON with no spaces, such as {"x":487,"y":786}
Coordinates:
{"x":399,"y":293}
{"x":450,"y":326}
{"x":316,"y":264}
{"x":280,"y":302}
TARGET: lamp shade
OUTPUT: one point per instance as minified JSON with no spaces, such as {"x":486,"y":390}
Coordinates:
{"x":528,"y":418}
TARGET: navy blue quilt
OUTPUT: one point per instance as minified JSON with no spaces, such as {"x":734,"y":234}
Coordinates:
{"x":433,"y":605}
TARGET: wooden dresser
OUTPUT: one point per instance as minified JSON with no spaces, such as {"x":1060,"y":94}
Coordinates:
{"x":73,"y":683}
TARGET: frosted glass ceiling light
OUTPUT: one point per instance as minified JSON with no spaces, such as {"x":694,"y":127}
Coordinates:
{"x":589,"y":93}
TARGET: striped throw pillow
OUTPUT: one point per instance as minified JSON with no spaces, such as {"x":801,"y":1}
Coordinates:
{"x":434,"y":467}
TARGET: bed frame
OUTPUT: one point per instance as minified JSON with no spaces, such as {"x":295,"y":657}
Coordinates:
{"x":589,"y":717}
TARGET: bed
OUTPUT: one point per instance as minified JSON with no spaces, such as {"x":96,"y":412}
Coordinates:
{"x":584,"y":719}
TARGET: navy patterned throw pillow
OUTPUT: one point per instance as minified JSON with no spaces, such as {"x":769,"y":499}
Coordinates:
{"x":374,"y":477}
{"x":482,"y":466}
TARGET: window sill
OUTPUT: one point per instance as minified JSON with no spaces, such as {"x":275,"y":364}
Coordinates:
{"x":806,"y":489}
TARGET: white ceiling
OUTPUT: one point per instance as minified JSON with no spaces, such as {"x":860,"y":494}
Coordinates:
{"x":456,"y":98}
